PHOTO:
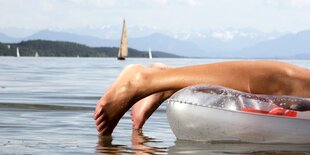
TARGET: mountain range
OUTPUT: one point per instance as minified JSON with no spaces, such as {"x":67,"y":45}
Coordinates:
{"x":220,"y":44}
{"x":291,"y":45}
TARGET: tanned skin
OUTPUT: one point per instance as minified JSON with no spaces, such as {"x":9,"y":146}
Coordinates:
{"x":137,"y":82}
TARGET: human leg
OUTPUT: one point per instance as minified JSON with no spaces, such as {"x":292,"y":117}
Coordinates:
{"x":137,"y":82}
{"x":144,"y":108}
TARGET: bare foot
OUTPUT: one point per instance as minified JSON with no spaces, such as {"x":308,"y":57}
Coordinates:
{"x":123,"y":93}
{"x":144,"y":108}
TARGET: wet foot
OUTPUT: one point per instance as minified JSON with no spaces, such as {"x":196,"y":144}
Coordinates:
{"x":123,"y":93}
{"x":144,"y":108}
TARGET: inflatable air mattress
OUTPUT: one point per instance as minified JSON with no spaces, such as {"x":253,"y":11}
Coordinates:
{"x":214,"y":113}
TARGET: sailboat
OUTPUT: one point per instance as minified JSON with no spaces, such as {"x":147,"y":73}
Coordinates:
{"x":150,"y":54}
{"x":123,"y":49}
{"x":17,"y":52}
{"x":36,"y":55}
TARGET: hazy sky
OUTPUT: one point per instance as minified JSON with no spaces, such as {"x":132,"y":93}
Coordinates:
{"x":265,"y":15}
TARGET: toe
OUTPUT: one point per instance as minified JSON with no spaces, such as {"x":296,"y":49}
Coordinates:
{"x":100,"y":119}
{"x":101,"y":126}
{"x":105,"y":131}
{"x":98,"y":112}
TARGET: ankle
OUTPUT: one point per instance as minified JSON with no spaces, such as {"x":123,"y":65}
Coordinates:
{"x":139,"y":79}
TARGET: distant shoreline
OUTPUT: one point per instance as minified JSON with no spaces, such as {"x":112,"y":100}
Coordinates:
{"x":212,"y":58}
{"x":47,"y":48}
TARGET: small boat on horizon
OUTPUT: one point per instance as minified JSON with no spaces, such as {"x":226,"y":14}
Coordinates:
{"x":150,"y":54}
{"x":123,"y":49}
{"x":36,"y":55}
{"x":17,"y":52}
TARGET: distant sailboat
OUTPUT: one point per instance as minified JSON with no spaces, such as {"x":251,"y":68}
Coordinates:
{"x":123,"y":49}
{"x":17,"y":52}
{"x":36,"y":55}
{"x":150,"y":54}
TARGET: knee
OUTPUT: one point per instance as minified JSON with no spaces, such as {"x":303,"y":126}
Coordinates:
{"x":159,"y":66}
{"x":133,"y":66}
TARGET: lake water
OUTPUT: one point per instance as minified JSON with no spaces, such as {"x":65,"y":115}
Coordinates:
{"x":46,"y":107}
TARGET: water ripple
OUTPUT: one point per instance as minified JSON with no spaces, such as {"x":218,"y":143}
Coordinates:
{"x":20,"y":106}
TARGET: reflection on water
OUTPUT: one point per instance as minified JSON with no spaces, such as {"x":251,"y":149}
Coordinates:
{"x":46,"y":107}
{"x":139,"y":145}
{"x":105,"y":146}
{"x":189,"y":147}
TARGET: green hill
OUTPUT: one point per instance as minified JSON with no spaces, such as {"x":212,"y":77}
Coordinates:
{"x":68,"y":49}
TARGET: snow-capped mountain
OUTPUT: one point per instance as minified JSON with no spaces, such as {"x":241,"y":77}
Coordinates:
{"x":212,"y":43}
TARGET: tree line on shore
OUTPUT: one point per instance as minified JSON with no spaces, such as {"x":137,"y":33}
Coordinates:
{"x":68,"y":49}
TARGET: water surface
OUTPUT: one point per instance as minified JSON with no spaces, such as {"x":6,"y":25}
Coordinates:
{"x":46,"y":107}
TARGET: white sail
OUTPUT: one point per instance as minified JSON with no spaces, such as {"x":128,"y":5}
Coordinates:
{"x":17,"y":52}
{"x":37,"y":54}
{"x":123,"y":49}
{"x":150,"y":54}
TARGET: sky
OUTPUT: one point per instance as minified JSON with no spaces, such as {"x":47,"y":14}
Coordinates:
{"x":174,"y":15}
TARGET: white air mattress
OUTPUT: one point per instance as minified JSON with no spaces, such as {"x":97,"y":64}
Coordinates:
{"x":214,"y":113}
